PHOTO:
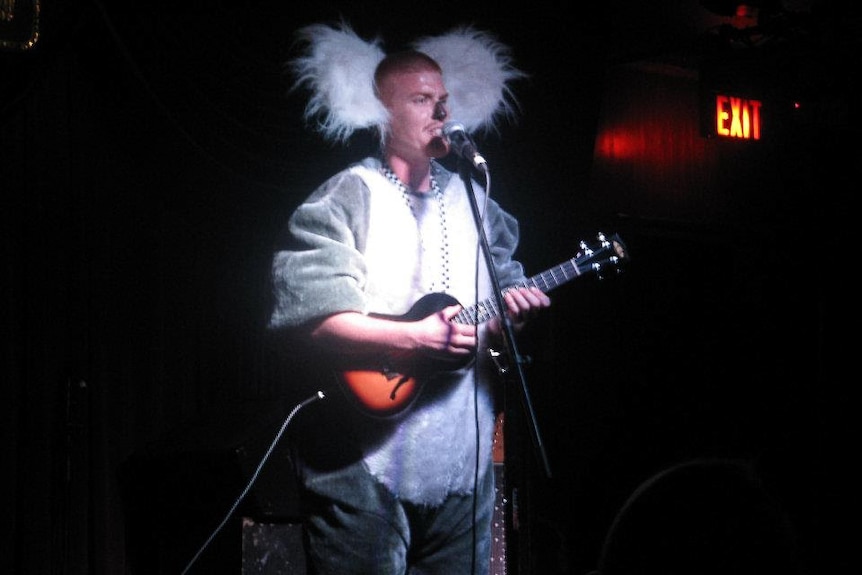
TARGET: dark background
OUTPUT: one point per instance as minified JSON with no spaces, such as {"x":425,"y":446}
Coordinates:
{"x":151,"y":150}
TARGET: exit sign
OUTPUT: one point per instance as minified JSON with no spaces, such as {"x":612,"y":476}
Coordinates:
{"x":737,"y":118}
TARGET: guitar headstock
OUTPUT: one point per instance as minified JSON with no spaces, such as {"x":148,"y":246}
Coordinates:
{"x":608,"y":252}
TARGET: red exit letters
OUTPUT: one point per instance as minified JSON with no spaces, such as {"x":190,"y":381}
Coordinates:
{"x":737,"y":117}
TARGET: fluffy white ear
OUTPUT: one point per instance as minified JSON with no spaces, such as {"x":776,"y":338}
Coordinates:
{"x":477,"y":70}
{"x":338,"y":68}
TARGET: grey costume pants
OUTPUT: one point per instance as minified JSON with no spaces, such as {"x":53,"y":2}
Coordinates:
{"x":354,"y":525}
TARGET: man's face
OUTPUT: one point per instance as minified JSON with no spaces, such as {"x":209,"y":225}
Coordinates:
{"x":417,"y":108}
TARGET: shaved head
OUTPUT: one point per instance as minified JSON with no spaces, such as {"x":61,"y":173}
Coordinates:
{"x":398,"y":63}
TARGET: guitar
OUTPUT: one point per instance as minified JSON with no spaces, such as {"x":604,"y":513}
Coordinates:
{"x":383,"y":391}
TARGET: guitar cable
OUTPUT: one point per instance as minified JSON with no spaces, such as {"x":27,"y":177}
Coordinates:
{"x":316,"y":397}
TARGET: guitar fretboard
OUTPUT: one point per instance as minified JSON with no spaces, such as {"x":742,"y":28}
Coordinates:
{"x":609,"y":250}
{"x":545,"y":281}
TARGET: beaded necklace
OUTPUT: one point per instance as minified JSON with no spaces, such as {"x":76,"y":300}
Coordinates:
{"x":408,"y":196}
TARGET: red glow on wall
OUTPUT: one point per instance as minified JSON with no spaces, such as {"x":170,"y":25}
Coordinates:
{"x":738,"y":118}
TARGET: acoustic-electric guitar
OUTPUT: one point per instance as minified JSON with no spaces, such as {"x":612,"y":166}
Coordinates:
{"x":387,"y":388}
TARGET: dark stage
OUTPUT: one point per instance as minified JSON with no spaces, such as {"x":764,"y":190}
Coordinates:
{"x":694,"y":408}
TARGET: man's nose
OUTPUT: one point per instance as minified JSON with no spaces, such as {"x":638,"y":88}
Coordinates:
{"x":440,"y":111}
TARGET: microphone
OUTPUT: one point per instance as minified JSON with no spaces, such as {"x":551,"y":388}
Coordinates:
{"x":462,"y":144}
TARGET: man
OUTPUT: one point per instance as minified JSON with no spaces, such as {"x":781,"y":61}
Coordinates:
{"x":408,"y":490}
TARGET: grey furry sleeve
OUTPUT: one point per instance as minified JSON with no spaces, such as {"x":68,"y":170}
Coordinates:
{"x":503,"y":238}
{"x":318,"y":267}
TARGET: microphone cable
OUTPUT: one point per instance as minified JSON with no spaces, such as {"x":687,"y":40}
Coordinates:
{"x":316,"y":397}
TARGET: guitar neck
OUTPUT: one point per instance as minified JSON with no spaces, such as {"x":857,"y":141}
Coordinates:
{"x":545,"y":281}
{"x":610,"y":250}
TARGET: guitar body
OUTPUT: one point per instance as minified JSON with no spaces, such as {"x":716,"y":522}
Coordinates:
{"x":425,"y":306}
{"x":389,"y":390}
{"x":386,"y":388}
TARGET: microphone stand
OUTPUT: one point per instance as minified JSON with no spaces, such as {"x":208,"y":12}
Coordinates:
{"x":464,"y":169}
